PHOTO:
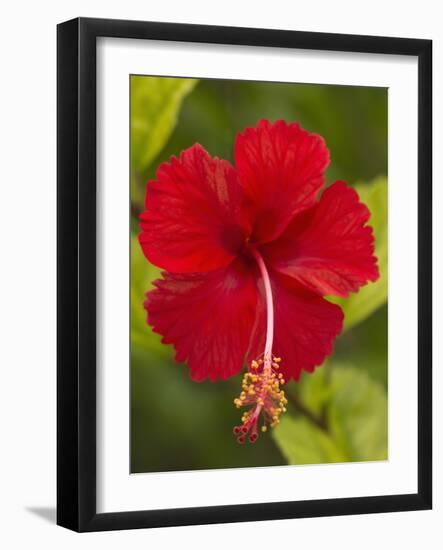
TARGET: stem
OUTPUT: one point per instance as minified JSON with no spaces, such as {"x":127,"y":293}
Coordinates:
{"x":320,"y":422}
{"x":135,"y":211}
{"x":269,"y":305}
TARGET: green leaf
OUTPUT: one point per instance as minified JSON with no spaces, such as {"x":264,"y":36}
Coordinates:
{"x":355,"y":411}
{"x":314,"y":389}
{"x":143,"y":273}
{"x":358,"y":414}
{"x":301,"y":442}
{"x":155,"y":102}
{"x":361,"y":305}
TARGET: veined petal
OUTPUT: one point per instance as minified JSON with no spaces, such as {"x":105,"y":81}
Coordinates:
{"x":281,"y":167}
{"x":305,"y":327}
{"x":329,"y":249}
{"x":207,"y":317}
{"x":193,"y":219}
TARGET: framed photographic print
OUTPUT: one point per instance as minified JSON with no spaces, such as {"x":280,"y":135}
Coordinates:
{"x":244,"y":274}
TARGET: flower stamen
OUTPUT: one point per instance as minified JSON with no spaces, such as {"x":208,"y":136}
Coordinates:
{"x":261,"y":384}
{"x":261,"y":392}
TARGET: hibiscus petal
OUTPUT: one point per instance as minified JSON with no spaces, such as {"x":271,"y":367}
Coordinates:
{"x":193,"y":220}
{"x":281,"y":167}
{"x":305,"y":327}
{"x":207,"y":317}
{"x":329,"y":249}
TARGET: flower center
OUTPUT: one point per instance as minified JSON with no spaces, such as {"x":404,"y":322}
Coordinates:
{"x":261,"y":391}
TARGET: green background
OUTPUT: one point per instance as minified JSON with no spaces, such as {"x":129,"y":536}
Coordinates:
{"x":337,"y":414}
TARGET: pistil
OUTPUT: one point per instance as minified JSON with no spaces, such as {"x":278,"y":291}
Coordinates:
{"x":269,"y":308}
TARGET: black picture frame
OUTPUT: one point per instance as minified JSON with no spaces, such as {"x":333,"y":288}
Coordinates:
{"x":76,"y":265}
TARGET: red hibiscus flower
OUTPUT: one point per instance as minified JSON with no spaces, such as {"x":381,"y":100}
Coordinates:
{"x":248,"y":255}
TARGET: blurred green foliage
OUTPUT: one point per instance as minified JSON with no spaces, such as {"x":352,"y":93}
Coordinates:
{"x":337,"y":414}
{"x":352,"y":418}
{"x":154,"y":109}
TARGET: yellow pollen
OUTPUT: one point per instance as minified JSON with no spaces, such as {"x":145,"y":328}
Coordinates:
{"x":262,"y":395}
